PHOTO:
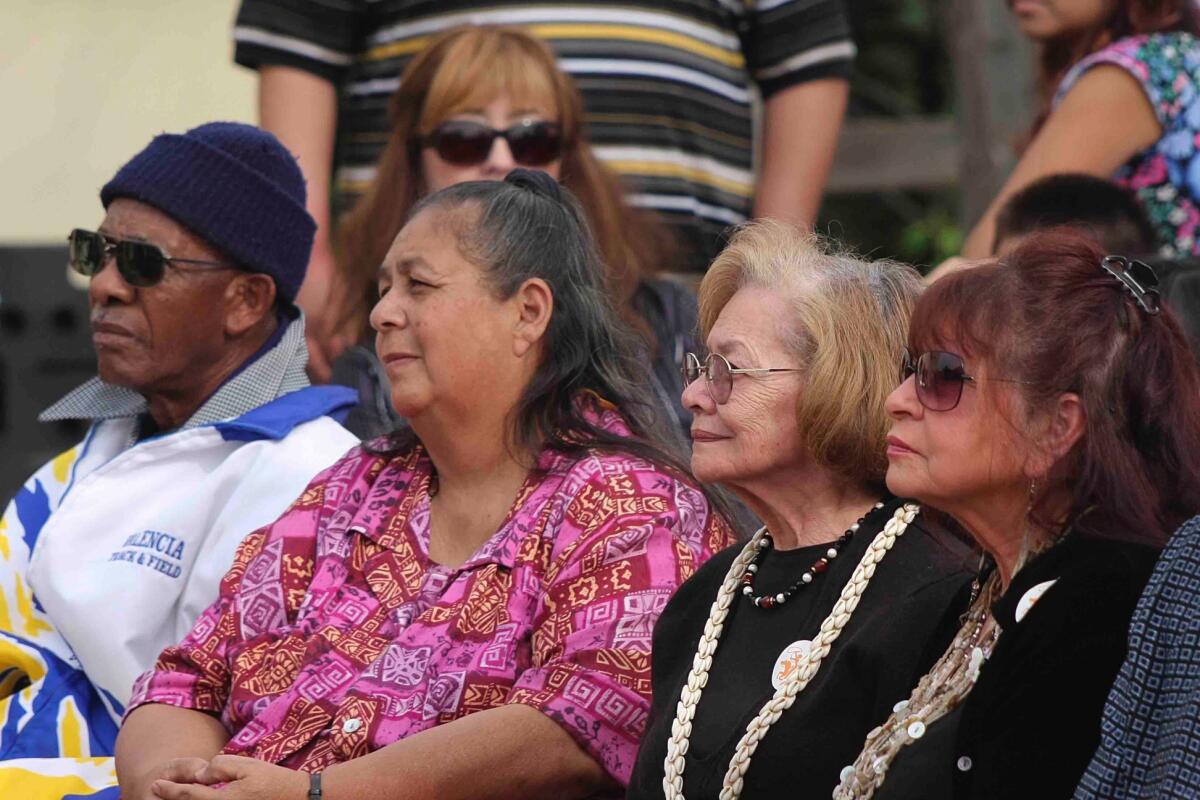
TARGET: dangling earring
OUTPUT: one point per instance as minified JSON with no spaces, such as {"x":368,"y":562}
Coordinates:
{"x":981,"y":575}
{"x":1028,"y":546}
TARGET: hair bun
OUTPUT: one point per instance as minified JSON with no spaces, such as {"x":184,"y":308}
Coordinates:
{"x":537,"y":182}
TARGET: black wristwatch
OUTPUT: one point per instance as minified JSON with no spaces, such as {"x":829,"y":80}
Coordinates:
{"x":314,"y":786}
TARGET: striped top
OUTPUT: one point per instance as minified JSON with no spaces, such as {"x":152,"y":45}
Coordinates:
{"x":667,"y":84}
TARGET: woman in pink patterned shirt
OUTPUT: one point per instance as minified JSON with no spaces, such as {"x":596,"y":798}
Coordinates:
{"x":407,"y":628}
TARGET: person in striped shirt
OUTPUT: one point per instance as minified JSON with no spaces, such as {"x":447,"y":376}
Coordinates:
{"x":668,"y":87}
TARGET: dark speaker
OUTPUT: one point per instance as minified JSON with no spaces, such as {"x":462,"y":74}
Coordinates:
{"x":45,"y":351}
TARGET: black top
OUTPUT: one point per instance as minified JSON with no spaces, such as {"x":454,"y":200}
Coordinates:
{"x":1029,"y":726}
{"x":895,"y":634}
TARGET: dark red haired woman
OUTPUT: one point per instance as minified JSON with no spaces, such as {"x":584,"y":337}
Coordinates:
{"x":1120,"y":92}
{"x":1050,"y":405}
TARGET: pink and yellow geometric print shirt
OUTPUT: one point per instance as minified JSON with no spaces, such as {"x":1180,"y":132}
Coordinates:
{"x":335,"y":634}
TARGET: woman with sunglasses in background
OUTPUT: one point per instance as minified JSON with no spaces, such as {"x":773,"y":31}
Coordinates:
{"x":776,"y":658}
{"x":1051,"y":405}
{"x":476,"y":103}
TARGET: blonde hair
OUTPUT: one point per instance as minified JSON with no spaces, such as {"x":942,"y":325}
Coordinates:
{"x":848,"y":325}
{"x":472,"y":66}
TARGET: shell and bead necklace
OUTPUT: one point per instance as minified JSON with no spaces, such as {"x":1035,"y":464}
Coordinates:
{"x":785,"y":695}
{"x":938,"y":693}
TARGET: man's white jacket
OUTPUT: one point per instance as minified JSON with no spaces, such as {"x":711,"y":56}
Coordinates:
{"x":110,"y":552}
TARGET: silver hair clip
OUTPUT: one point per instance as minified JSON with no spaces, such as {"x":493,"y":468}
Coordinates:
{"x":1138,"y":278}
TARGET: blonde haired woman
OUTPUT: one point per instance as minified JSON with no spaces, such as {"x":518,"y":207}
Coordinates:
{"x":774,"y":661}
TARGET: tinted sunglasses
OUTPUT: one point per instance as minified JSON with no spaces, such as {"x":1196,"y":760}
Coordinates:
{"x":140,"y":264}
{"x":719,"y":374}
{"x":534,"y":143}
{"x":940,"y":378}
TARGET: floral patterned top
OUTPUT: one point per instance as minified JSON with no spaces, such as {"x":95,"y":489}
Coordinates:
{"x":335,"y":634}
{"x":1166,"y":176}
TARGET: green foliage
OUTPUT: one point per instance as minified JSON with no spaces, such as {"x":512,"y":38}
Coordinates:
{"x":920,"y":228}
{"x":934,"y":237}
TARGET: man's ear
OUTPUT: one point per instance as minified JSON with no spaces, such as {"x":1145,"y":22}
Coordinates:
{"x":249,"y":297}
{"x":534,"y":303}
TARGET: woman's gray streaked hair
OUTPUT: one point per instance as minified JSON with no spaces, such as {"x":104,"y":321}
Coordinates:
{"x":525,"y":227}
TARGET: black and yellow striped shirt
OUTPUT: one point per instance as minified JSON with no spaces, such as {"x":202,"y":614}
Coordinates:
{"x":668,"y":84}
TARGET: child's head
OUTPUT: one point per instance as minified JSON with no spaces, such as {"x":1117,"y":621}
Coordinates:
{"x":1094,"y":206}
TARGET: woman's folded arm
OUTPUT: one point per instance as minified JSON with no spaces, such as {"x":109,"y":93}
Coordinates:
{"x":161,"y":741}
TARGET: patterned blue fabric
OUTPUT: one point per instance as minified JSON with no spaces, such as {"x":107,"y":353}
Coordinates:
{"x":1150,"y":734}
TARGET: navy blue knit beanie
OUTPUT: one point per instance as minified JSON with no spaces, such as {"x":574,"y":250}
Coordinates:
{"x":233,"y":185}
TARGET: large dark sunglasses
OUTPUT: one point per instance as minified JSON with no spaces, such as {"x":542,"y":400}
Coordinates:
{"x":940,"y":378}
{"x":534,"y":143}
{"x":140,"y":264}
{"x":719,"y":374}
{"x":1138,"y":278}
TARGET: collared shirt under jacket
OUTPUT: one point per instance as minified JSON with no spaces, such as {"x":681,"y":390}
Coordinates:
{"x":111,"y":550}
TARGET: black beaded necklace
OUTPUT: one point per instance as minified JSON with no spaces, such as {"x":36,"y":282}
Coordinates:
{"x":818,"y":566}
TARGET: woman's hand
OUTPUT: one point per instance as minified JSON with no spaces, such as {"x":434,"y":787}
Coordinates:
{"x":243,"y":779}
{"x":179,"y":770}
{"x":161,"y":742}
{"x":950,"y":265}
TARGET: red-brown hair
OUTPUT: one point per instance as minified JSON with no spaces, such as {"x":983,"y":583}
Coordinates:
{"x":1128,"y":18}
{"x":1050,"y":317}
{"x":466,"y":67}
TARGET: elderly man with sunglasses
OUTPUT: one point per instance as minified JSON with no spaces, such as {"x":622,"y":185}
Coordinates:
{"x":203,"y":428}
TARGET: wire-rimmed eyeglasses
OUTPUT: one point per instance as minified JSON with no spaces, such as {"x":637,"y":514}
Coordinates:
{"x":719,"y":373}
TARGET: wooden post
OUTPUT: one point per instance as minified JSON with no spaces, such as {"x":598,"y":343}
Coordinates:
{"x":993,"y":72}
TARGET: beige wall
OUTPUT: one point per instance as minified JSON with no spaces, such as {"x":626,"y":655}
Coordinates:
{"x":84,"y":84}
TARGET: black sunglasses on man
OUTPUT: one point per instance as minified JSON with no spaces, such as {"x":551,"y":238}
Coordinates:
{"x":141,"y":264}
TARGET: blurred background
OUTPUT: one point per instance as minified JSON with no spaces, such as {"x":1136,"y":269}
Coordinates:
{"x":939,"y":93}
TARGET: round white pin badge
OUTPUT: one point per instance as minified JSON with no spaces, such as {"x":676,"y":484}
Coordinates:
{"x":1030,"y":598}
{"x":790,"y":660}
